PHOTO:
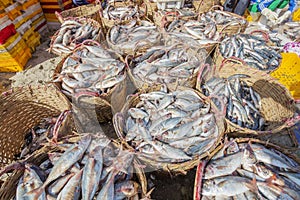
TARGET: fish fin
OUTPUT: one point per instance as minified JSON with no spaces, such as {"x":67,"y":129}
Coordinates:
{"x":271,"y":179}
{"x":253,"y":186}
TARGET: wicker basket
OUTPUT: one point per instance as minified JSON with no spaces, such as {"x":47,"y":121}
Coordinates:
{"x":142,"y":85}
{"x":177,"y":168}
{"x":201,"y":166}
{"x":129,"y":51}
{"x":104,"y":105}
{"x":232,"y":28}
{"x":277,"y":105}
{"x":160,"y":19}
{"x":88,"y":11}
{"x":83,"y":21}
{"x":8,"y":189}
{"x":22,"y":110}
{"x":108,"y":23}
{"x":169,"y":40}
{"x":202,"y":6}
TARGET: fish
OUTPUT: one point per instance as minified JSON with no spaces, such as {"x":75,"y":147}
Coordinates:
{"x":255,"y":52}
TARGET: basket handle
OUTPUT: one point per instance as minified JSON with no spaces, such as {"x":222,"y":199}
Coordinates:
{"x":118,"y":120}
{"x":232,"y":23}
{"x":59,"y":17}
{"x":215,"y":7}
{"x":198,"y":179}
{"x":264,"y":34}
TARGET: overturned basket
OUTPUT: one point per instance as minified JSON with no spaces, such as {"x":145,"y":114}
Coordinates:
{"x":177,"y":168}
{"x":277,"y":105}
{"x":23,"y":108}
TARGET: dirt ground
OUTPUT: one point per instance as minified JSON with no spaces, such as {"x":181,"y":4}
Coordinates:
{"x":40,"y":69}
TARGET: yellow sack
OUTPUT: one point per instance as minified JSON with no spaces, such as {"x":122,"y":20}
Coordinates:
{"x":296,"y":15}
{"x":288,"y":73}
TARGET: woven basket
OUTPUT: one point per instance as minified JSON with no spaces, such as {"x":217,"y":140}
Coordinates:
{"x":232,"y":28}
{"x":129,"y":51}
{"x":142,"y":85}
{"x":169,"y":40}
{"x":160,"y":19}
{"x":88,"y":11}
{"x":8,"y":189}
{"x":218,"y":60}
{"x":177,"y":168}
{"x":202,"y":6}
{"x":201,"y":166}
{"x":104,"y":105}
{"x":22,"y":110}
{"x":151,"y":8}
{"x":100,"y":37}
{"x":277,"y":105}
{"x":108,"y":23}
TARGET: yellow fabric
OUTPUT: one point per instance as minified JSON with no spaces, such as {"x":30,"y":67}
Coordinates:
{"x":288,"y":73}
{"x":296,"y":15}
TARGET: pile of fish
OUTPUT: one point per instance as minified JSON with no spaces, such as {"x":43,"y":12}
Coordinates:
{"x":133,"y":36}
{"x":251,"y":49}
{"x":92,"y":168}
{"x":122,"y":13}
{"x":91,"y":68}
{"x":171,"y":127}
{"x":167,"y":64}
{"x":250,"y":171}
{"x":291,"y":29}
{"x":222,"y":18}
{"x":72,"y":33}
{"x":243,"y":103}
{"x":191,"y":32}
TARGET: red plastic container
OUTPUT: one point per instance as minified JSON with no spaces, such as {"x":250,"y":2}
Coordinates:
{"x":6,"y":32}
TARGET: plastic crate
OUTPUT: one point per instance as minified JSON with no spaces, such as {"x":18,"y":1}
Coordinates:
{"x":289,"y":73}
{"x":38,"y":22}
{"x":56,"y":5}
{"x":26,"y":36}
{"x":28,"y":3}
{"x":16,"y":59}
{"x":13,"y":11}
{"x":24,"y":27}
{"x":6,"y":3}
{"x":169,"y":4}
{"x":6,"y":33}
{"x":33,"y":41}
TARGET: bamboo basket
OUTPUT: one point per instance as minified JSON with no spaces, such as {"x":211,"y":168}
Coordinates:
{"x":200,"y":170}
{"x":169,"y":40}
{"x":105,"y":105}
{"x":142,"y":85}
{"x":22,"y":109}
{"x":129,"y":51}
{"x":108,"y":23}
{"x":100,"y":38}
{"x":277,"y":105}
{"x":176,"y":168}
{"x":87,"y":11}
{"x":160,"y":19}
{"x":8,"y":189}
{"x":231,"y":28}
{"x":202,"y":6}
